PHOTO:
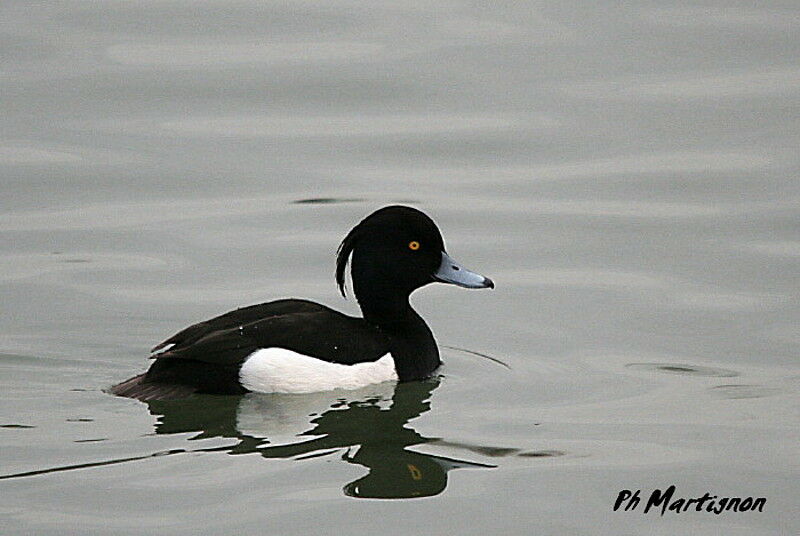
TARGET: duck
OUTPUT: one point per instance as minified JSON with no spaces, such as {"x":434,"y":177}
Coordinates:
{"x":299,"y":346}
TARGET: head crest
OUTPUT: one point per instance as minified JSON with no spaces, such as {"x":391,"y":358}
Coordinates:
{"x":343,"y":255}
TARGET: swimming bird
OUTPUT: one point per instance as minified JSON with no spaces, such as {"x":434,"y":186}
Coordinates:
{"x":299,"y":346}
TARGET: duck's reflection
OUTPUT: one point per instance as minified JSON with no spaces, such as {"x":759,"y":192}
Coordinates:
{"x":368,"y":428}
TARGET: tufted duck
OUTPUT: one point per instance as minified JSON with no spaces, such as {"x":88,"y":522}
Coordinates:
{"x":298,"y":346}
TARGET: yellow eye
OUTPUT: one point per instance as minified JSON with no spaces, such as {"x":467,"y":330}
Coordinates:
{"x":413,"y":245}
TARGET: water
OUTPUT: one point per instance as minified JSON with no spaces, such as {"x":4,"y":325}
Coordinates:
{"x":628,"y":176}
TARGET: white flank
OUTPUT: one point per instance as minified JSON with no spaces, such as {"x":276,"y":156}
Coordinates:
{"x":277,"y":370}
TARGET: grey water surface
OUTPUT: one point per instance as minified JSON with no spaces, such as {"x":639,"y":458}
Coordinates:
{"x":628,"y":175}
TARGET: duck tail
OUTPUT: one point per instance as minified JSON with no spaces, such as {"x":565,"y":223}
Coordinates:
{"x":140,"y":389}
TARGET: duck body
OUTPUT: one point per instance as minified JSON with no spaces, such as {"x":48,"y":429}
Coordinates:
{"x":299,"y":346}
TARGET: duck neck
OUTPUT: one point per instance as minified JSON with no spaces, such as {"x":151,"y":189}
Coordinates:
{"x":411,"y":341}
{"x":385,"y":309}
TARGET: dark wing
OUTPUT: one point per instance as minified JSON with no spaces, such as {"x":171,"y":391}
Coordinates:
{"x":236,"y":318}
{"x":304,"y":327}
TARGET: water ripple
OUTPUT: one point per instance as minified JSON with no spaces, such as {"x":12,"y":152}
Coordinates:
{"x":336,"y":126}
{"x":223,"y":54}
{"x":683,"y":369}
{"x":775,"y":81}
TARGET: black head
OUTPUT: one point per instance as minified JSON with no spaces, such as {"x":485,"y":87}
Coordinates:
{"x":395,"y":251}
